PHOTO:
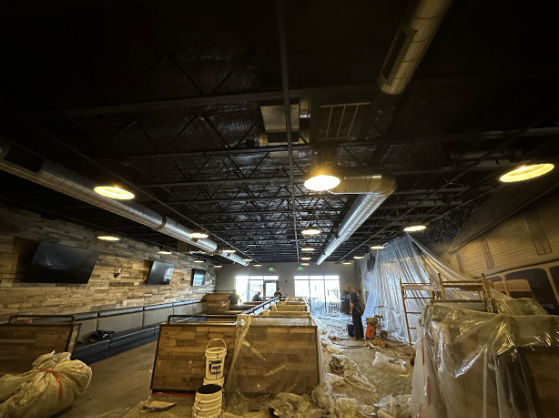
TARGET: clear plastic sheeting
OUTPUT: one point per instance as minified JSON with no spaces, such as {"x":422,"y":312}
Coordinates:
{"x":272,"y":356}
{"x":53,"y":384}
{"x":481,"y":365}
{"x":408,"y":260}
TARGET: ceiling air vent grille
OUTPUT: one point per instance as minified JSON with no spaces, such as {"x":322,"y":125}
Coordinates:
{"x":397,"y":45}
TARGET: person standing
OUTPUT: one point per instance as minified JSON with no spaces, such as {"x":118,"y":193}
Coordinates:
{"x":234,"y":298}
{"x":356,"y":310}
{"x":277,"y":294}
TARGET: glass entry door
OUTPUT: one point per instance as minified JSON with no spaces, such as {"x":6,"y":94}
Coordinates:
{"x":270,"y":288}
{"x":318,"y":296}
{"x":321,"y":291}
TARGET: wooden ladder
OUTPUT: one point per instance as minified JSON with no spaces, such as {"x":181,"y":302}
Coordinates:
{"x":437,"y":292}
{"x":434,"y":292}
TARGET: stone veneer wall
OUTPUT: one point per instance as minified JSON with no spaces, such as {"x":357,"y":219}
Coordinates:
{"x":20,"y":233}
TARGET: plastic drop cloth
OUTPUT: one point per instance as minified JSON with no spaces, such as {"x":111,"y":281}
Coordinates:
{"x":480,"y":365}
{"x":407,"y":259}
{"x":53,"y":384}
{"x":272,"y":356}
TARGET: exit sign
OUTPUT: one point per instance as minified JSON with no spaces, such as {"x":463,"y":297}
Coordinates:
{"x":270,"y":269}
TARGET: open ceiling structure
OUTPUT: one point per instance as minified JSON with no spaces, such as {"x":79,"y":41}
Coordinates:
{"x":167,"y":98}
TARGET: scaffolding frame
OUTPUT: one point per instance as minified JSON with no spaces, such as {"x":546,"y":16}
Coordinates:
{"x":437,"y":293}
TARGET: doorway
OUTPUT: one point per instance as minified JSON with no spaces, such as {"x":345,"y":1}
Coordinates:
{"x":270,"y":287}
{"x":321,"y":291}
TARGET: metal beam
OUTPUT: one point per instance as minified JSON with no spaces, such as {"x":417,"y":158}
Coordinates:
{"x":471,"y":81}
{"x":489,"y":135}
{"x":300,"y":178}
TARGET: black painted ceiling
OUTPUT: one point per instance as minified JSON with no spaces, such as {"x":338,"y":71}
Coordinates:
{"x":167,"y":94}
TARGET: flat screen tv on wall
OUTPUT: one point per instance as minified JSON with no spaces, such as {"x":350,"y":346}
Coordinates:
{"x":160,"y":273}
{"x":55,"y":263}
{"x":198,"y":277}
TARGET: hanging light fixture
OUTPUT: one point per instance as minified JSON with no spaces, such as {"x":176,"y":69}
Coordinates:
{"x":164,"y":251}
{"x":108,"y":238}
{"x":218,"y":266}
{"x":415,"y":228}
{"x":229,"y":250}
{"x":305,"y":264}
{"x":257,"y":265}
{"x":323,"y":177}
{"x":114,"y":192}
{"x":311,"y":231}
{"x":347,"y":263}
{"x":198,"y":235}
{"x":526,"y":172}
{"x":307,"y":249}
{"x":306,"y":258}
{"x":199,"y":261}
{"x":248,"y":260}
{"x":357,"y":257}
{"x":377,"y":247}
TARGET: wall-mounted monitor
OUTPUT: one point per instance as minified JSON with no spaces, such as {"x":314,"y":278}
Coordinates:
{"x":160,"y":273}
{"x":55,"y":263}
{"x":198,"y":277}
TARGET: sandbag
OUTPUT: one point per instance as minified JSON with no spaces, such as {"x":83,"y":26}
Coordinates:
{"x":53,"y":384}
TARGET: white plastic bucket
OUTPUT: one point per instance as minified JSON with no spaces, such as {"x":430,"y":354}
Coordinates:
{"x":208,"y":402}
{"x":215,"y":359}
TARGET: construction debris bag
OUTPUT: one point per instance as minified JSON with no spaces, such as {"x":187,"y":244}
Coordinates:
{"x":53,"y":384}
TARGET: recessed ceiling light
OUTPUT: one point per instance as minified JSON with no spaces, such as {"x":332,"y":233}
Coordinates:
{"x":218,"y":266}
{"x":526,"y":172}
{"x":306,"y":258}
{"x":307,"y":249}
{"x":357,"y":257}
{"x":198,"y":261}
{"x":258,"y":265}
{"x":304,"y":264}
{"x":164,"y":252}
{"x":414,"y":228}
{"x":377,"y":247}
{"x":229,"y":250}
{"x":108,"y":238}
{"x":114,"y":192}
{"x":311,"y":231}
{"x":323,"y":177}
{"x":347,"y":263}
{"x":198,"y":235}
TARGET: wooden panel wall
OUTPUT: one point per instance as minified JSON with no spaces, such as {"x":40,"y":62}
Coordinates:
{"x":291,"y":360}
{"x":527,"y":241}
{"x":21,"y":344}
{"x":20,"y":233}
{"x":180,"y":362}
{"x":290,"y":353}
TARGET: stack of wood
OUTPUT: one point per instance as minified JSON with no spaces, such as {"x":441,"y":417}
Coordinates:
{"x":218,"y":302}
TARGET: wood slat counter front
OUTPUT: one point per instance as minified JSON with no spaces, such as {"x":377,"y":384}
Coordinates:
{"x":180,"y":359}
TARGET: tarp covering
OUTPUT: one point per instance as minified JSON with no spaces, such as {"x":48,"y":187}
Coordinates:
{"x":273,"y":355}
{"x":482,"y":365}
{"x":407,"y":259}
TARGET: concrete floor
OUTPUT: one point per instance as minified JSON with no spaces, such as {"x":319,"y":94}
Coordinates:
{"x":117,"y":385}
{"x":121,"y":383}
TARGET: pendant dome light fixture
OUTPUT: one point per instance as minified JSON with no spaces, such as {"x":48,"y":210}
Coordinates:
{"x":307,"y":249}
{"x":313,"y":230}
{"x":323,"y":177}
{"x":526,"y":171}
{"x":198,"y":235}
{"x":377,"y":247}
{"x":415,"y":228}
{"x":114,"y":192}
